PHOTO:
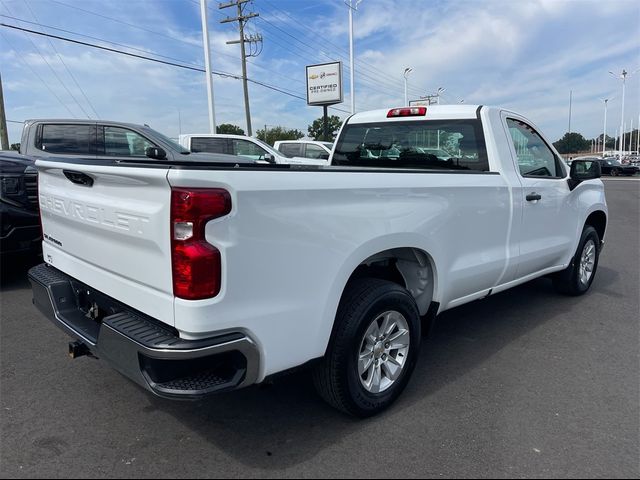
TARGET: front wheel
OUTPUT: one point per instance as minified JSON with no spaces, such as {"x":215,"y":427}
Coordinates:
{"x":578,"y":276}
{"x":373,"y":349}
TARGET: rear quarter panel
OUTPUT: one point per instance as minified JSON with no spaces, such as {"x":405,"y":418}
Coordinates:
{"x":293,"y":239}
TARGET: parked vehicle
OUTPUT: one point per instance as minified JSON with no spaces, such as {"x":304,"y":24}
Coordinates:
{"x":220,"y":277}
{"x":615,"y":168}
{"x":92,"y":139}
{"x":19,"y":219}
{"x":242,"y":146}
{"x":304,"y":148}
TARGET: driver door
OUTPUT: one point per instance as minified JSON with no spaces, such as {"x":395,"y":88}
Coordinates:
{"x":547,"y":232}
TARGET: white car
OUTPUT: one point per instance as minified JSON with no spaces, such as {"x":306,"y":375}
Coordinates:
{"x":192,"y":278}
{"x":304,"y":148}
{"x":240,"y":145}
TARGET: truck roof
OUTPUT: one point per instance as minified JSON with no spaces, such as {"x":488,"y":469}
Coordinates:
{"x":76,"y":121}
{"x":434,"y":112}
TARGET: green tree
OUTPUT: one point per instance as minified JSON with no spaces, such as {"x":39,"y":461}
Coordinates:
{"x":229,"y":128}
{"x":272,"y":135}
{"x":316,"y":129}
{"x":15,"y":146}
{"x":572,"y":143}
{"x":610,"y":141}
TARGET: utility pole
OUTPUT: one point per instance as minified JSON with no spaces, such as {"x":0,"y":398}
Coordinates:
{"x":242,"y":19}
{"x":207,"y":63}
{"x":4,"y":137}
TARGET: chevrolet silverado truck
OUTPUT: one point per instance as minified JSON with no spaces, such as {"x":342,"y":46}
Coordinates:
{"x":192,"y":278}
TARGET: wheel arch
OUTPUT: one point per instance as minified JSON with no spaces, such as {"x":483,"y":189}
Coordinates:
{"x":598,"y":220}
{"x":405,"y":261}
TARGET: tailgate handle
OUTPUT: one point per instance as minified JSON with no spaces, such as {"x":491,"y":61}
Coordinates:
{"x":78,"y":178}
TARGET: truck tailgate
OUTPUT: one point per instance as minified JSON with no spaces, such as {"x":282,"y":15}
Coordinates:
{"x":109,"y":227}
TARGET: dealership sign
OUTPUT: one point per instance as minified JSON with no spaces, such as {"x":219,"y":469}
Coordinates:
{"x":324,"y":84}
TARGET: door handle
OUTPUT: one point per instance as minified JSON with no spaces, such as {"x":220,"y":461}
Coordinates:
{"x":78,"y":178}
{"x":533,"y":196}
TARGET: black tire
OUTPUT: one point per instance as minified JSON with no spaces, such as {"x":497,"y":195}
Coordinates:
{"x":336,"y":377}
{"x":569,"y":280}
{"x":615,"y":172}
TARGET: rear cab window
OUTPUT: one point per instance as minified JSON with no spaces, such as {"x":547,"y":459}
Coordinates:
{"x":425,"y":145}
{"x":290,"y":149}
{"x":211,"y":145}
{"x":67,"y":139}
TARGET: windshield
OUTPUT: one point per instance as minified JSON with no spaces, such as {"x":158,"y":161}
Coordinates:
{"x":431,"y":144}
{"x":175,"y":145}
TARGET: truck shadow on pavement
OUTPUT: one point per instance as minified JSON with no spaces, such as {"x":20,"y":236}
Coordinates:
{"x":14,"y":269}
{"x":284,"y":424}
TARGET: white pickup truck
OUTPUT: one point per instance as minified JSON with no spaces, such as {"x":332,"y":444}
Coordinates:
{"x":193,"y":278}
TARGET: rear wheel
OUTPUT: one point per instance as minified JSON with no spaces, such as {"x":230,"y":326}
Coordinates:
{"x":615,"y":172}
{"x":578,"y":276}
{"x":373,"y":349}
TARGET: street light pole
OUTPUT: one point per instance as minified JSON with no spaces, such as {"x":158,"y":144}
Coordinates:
{"x":351,"y":65}
{"x":207,"y":62}
{"x":440,"y":90}
{"x":623,"y":76}
{"x":570,"y":101}
{"x":604,"y":135}
{"x":407,"y":71}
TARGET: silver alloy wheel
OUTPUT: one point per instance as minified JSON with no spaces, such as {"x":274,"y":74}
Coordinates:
{"x":587,"y":262}
{"x":383,"y":351}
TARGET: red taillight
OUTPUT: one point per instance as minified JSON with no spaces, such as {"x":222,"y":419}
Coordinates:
{"x":197,"y":269}
{"x":407,"y":112}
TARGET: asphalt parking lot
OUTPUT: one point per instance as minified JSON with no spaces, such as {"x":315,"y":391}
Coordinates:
{"x":526,"y":383}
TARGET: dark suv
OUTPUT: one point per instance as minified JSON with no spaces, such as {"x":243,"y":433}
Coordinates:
{"x":19,"y":218}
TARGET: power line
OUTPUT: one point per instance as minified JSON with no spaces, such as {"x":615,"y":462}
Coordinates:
{"x":364,"y":79}
{"x":286,"y":47}
{"x":38,"y":76}
{"x":164,"y":62}
{"x":120,"y":21}
{"x":64,"y":85}
{"x":111,"y":42}
{"x":63,"y":63}
{"x":361,"y":63}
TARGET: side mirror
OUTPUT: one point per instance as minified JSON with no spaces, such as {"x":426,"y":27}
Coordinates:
{"x":268,"y":157}
{"x":156,"y":153}
{"x":582,"y":170}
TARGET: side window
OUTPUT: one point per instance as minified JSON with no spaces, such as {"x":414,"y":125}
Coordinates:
{"x":68,"y":139}
{"x":122,"y":142}
{"x":210,"y":145}
{"x":245,"y":148}
{"x":291,"y":149}
{"x":314,"y":151}
{"x":535,"y":158}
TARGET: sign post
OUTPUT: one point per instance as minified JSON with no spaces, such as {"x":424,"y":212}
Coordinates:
{"x":324,"y":88}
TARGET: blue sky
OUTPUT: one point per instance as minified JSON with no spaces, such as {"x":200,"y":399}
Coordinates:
{"x":526,"y":55}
